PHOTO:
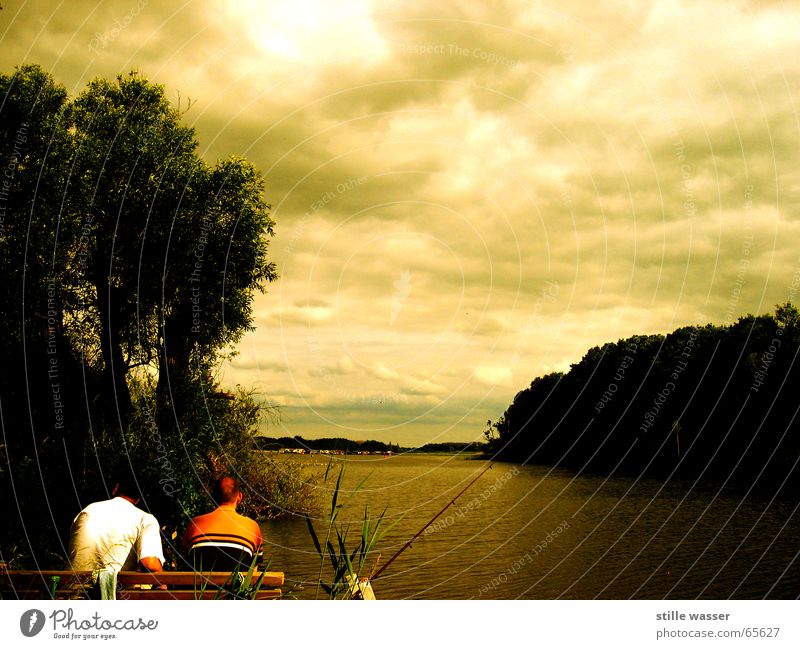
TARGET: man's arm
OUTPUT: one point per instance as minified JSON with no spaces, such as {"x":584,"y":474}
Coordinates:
{"x":80,"y":544}
{"x":151,"y":564}
{"x":148,"y":545}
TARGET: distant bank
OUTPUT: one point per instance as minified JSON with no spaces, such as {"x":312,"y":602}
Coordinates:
{"x":342,"y":446}
{"x":716,"y":403}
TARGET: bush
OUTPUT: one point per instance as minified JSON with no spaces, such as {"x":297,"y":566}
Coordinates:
{"x":174,"y":472}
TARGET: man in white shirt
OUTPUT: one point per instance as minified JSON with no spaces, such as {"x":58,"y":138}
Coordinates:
{"x":113,"y":535}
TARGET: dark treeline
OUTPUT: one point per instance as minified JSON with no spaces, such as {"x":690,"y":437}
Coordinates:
{"x":326,"y":444}
{"x":368,"y":446}
{"x":716,"y":403}
{"x":451,"y":447}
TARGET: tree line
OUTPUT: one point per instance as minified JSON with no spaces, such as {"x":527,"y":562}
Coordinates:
{"x":130,"y":265}
{"x":712,"y":403}
{"x":354,"y":446}
{"x":326,"y":444}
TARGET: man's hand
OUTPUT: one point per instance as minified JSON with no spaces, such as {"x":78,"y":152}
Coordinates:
{"x":152,"y":564}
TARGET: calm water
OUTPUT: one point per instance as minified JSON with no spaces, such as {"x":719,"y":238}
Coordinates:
{"x":531,"y":532}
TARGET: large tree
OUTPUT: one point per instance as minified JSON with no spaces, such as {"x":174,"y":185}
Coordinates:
{"x":177,"y":247}
{"x":128,"y":261}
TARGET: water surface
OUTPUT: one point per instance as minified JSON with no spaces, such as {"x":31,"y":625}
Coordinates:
{"x":533,"y":532}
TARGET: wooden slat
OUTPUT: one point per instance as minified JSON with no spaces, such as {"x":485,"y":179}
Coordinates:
{"x":31,"y":584}
{"x":27,"y":578}
{"x":40,"y":593}
{"x":142,"y":595}
{"x":186,"y":594}
{"x":192,"y":578}
{"x":138,"y":594}
{"x":34,"y":578}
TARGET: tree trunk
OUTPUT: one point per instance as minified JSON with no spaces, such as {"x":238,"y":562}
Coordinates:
{"x":115,"y":370}
{"x":173,"y":375}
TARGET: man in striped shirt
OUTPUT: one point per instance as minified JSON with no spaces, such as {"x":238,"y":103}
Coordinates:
{"x":223,"y":539}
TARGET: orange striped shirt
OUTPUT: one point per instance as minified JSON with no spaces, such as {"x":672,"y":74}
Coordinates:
{"x":224,"y":526}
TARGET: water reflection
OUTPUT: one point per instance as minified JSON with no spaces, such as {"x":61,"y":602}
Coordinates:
{"x":532,"y":532}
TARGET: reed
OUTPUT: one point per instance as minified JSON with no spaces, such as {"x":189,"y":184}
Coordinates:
{"x":346,"y":564}
{"x":243,"y":585}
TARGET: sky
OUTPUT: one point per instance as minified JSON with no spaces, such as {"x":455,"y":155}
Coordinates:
{"x":468,"y":195}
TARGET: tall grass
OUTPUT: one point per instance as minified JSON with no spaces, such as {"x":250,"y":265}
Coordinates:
{"x":244,"y":585}
{"x":346,"y":564}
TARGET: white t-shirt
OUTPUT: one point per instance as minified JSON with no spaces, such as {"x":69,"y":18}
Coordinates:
{"x":113,"y":534}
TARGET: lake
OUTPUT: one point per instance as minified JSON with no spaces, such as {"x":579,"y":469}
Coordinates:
{"x":538,"y":533}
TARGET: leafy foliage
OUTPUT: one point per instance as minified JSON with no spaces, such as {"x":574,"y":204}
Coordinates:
{"x":131,"y":265}
{"x":346,"y":565}
{"x":709,"y":402}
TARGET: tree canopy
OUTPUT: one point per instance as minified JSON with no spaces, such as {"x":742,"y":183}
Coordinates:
{"x":130,"y":267}
{"x":703,"y":402}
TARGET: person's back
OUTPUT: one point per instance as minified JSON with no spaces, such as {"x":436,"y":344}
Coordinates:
{"x":223,"y":539}
{"x":112,"y":535}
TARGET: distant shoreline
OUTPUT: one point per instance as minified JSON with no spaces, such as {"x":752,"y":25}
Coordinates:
{"x":343,"y":446}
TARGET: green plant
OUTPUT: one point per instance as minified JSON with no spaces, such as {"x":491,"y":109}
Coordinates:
{"x":54,"y":581}
{"x":346,"y":565}
{"x":243,"y":586}
{"x":238,"y":585}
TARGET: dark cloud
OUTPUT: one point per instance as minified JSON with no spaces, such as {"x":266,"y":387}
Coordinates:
{"x":468,"y":195}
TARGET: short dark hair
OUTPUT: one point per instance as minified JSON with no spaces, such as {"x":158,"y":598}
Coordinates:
{"x":126,"y":484}
{"x":225,"y":490}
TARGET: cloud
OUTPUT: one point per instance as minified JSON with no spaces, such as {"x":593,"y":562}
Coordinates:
{"x":493,"y":376}
{"x":422,"y":387}
{"x":312,"y":303}
{"x":407,"y":385}
{"x":250,"y":362}
{"x":488,"y":325}
{"x":342,"y":367}
{"x":308,"y":315}
{"x":434,"y":167}
{"x":382,"y":372}
{"x":302,"y":30}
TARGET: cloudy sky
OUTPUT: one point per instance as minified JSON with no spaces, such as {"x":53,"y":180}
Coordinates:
{"x":470,"y":194}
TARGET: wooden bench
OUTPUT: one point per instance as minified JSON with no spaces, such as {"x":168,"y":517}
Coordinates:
{"x":68,"y":584}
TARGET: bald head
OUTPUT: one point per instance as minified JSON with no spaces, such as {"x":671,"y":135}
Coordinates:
{"x":226,"y":491}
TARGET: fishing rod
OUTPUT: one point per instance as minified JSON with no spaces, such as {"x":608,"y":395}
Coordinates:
{"x":430,"y":522}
